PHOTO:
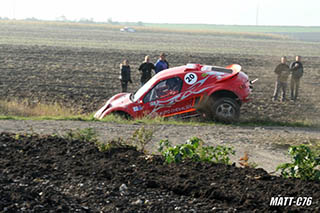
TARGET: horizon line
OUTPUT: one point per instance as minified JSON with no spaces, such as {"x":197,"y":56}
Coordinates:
{"x":91,"y":20}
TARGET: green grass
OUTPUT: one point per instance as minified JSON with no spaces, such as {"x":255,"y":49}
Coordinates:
{"x":163,"y":121}
{"x":24,"y":110}
{"x":55,"y":118}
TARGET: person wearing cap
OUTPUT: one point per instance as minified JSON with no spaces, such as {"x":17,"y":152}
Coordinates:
{"x":145,"y":69}
{"x":162,"y":63}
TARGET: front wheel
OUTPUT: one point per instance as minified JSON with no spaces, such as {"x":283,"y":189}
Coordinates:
{"x":122,"y":115}
{"x":225,"y":109}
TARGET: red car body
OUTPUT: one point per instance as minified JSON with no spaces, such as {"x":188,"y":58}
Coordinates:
{"x":178,"y":90}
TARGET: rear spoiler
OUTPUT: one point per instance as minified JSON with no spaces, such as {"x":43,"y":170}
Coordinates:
{"x":234,"y":67}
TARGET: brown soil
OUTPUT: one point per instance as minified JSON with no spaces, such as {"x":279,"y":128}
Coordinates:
{"x":52,"y":174}
{"x":267,"y":146}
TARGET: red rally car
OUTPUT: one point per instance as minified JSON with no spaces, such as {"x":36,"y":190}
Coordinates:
{"x":190,"y":90}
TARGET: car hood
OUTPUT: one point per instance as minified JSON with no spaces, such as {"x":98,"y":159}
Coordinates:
{"x":119,"y":100}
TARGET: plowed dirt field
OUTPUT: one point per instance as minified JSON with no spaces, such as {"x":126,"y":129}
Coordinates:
{"x":52,"y":174}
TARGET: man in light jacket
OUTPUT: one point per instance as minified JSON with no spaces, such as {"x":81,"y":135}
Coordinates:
{"x":282,"y":71}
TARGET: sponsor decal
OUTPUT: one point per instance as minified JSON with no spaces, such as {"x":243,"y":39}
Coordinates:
{"x":174,"y":110}
{"x":190,"y":78}
{"x":137,"y":108}
{"x":204,"y":75}
{"x":290,"y":201}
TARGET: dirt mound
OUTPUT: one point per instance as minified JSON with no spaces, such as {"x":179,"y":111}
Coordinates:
{"x":43,"y":173}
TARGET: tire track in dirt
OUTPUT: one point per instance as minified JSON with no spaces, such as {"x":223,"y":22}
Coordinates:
{"x":267,"y":146}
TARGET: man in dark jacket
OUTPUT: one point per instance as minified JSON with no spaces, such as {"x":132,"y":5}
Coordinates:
{"x":125,"y":75}
{"x":297,"y":72}
{"x":145,"y":68}
{"x":162,"y":63}
{"x":282,"y":71}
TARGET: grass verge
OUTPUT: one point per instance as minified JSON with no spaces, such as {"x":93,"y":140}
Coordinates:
{"x":24,"y":110}
{"x":162,"y":121}
{"x":27,"y":108}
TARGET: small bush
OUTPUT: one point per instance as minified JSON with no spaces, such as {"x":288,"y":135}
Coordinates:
{"x":90,"y":135}
{"x":87,"y":134}
{"x":305,"y":164}
{"x":193,"y":149}
{"x":113,"y":144}
{"x":140,"y":138}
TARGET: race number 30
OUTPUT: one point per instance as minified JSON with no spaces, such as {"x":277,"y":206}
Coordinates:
{"x":190,"y":78}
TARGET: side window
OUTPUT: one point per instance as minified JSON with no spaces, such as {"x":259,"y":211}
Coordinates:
{"x":164,"y":89}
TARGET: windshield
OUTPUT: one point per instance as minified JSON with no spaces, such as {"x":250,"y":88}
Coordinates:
{"x":137,"y":95}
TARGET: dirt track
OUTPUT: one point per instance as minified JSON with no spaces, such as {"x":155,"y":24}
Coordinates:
{"x":267,"y":146}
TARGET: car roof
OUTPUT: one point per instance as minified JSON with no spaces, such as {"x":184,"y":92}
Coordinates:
{"x":181,"y":70}
{"x":177,"y":71}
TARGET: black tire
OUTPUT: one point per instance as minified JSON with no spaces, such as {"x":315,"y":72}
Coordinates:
{"x":122,"y":115}
{"x":225,"y":110}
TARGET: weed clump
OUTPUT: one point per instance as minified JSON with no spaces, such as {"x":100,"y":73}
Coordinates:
{"x":87,"y":135}
{"x":305,"y":163}
{"x":195,"y":150}
{"x":140,"y":138}
{"x":112,"y":144}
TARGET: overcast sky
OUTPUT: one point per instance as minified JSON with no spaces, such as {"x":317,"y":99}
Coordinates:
{"x":238,"y":12}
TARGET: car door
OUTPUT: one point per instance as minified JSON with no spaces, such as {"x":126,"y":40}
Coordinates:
{"x":164,"y":98}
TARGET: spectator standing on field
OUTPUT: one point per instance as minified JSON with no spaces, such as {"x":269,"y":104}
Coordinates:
{"x":282,"y":71}
{"x":125,"y":75}
{"x":297,"y":72}
{"x":162,"y":63}
{"x":145,"y":69}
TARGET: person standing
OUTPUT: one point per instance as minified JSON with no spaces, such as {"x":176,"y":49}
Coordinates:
{"x":145,"y":69}
{"x":296,"y":68}
{"x":125,"y":75}
{"x":282,"y":71}
{"x":162,"y":63}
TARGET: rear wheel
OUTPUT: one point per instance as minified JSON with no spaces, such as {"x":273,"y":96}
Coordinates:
{"x":225,"y":109}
